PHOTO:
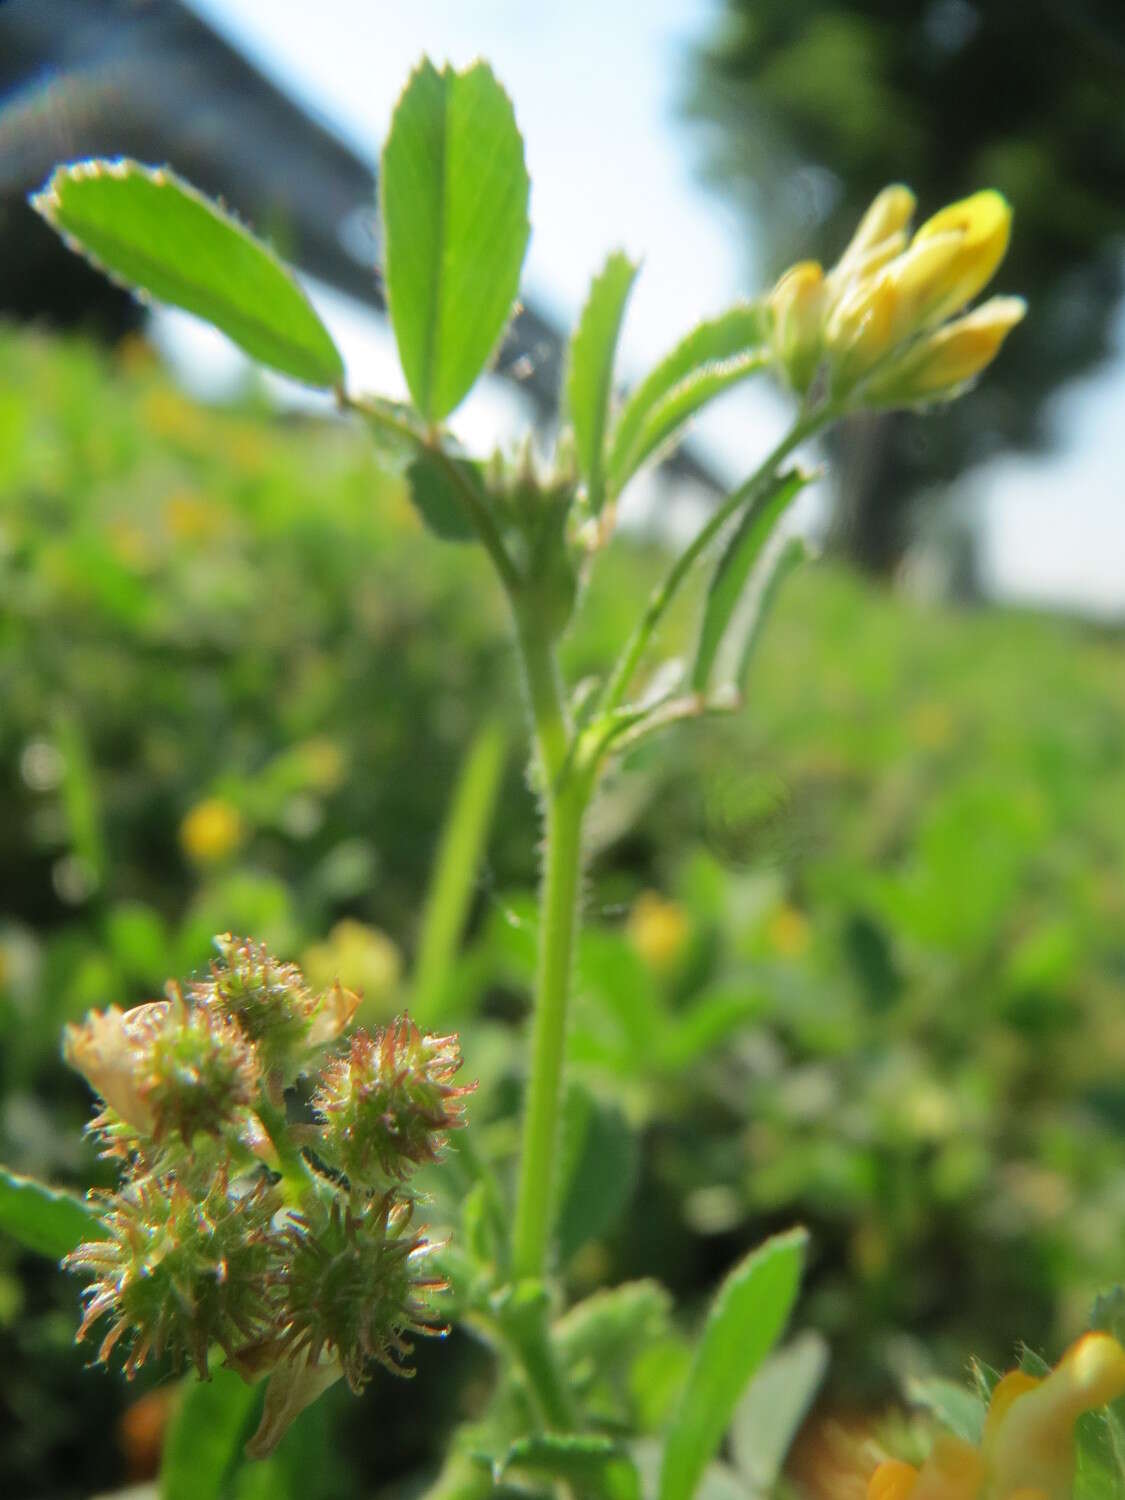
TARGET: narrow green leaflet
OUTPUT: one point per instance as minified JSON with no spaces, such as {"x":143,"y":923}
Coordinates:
{"x":44,"y":1219}
{"x":745,"y":631}
{"x":205,"y":1439}
{"x":746,"y":1319}
{"x":455,"y":871}
{"x":454,"y":193}
{"x":589,"y":377}
{"x":742,"y":552}
{"x":739,"y":331}
{"x":665,"y":419}
{"x":155,"y":233}
{"x":768,"y":1416}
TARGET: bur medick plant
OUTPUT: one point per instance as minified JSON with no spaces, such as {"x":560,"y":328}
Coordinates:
{"x":292,"y":1248}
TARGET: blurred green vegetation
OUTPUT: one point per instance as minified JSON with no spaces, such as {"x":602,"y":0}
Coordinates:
{"x":855,"y":957}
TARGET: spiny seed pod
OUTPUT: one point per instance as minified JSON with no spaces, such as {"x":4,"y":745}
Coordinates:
{"x":273,"y":1004}
{"x":163,"y":1068}
{"x":386,"y":1106}
{"x":353,"y":1287}
{"x":199,"y":1074}
{"x":179,"y":1273}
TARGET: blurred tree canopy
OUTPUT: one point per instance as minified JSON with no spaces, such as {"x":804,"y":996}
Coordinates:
{"x":819,"y":103}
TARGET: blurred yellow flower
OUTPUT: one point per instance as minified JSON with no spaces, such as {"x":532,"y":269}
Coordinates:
{"x":658,"y":929}
{"x":212,"y":831}
{"x":192,"y":518}
{"x":324,"y":763}
{"x":1028,"y":1450}
{"x":361,"y":958}
{"x":788,"y":931}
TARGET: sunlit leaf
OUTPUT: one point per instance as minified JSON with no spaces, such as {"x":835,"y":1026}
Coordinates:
{"x":746,"y":1319}
{"x":666,"y":419}
{"x":738,"y":335}
{"x":44,"y":1219}
{"x":589,"y":377}
{"x":454,"y":200}
{"x":155,"y":233}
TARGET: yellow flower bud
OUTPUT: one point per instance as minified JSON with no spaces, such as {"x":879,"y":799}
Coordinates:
{"x":862,"y":329}
{"x":211,"y":831}
{"x":798,"y":305}
{"x":658,"y":930}
{"x":938,"y":365}
{"x":983,"y":226}
{"x":884,"y":222}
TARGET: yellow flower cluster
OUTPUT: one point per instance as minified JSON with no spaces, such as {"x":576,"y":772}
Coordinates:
{"x":877,"y":322}
{"x":1027,"y":1451}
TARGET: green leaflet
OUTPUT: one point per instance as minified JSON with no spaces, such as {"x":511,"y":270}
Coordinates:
{"x":733,"y":569}
{"x":204,"y":1441}
{"x":454,"y":193}
{"x":42,"y":1218}
{"x":739,"y":334}
{"x":746,"y":1319}
{"x":155,"y":233}
{"x":597,"y":1169}
{"x":590,"y":362}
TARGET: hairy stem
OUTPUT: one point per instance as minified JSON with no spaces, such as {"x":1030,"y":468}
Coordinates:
{"x":565,"y":795}
{"x":558,"y":925}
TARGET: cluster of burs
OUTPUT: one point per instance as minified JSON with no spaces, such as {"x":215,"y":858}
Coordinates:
{"x":292,"y":1247}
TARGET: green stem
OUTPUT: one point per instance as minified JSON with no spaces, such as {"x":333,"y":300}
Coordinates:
{"x":618,"y":684}
{"x":558,"y":927}
{"x":297,"y":1177}
{"x":566,"y":794}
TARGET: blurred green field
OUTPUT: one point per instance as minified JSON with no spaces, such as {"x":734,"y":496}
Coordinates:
{"x":855,"y":958}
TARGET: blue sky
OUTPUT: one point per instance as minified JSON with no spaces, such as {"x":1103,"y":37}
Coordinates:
{"x":596,"y":87}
